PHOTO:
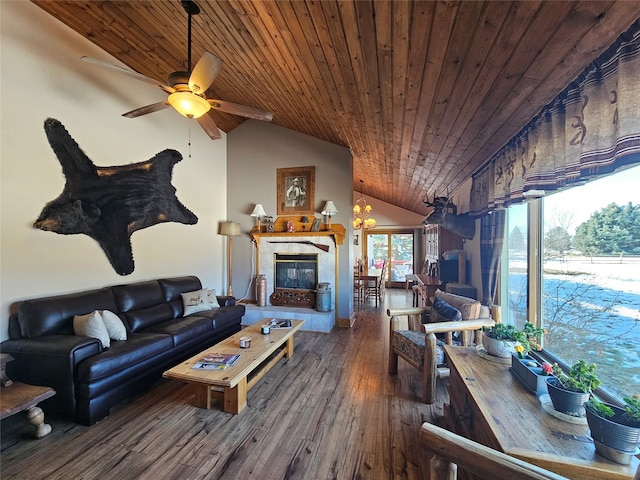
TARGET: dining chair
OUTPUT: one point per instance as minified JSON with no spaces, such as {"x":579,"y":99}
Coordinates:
{"x":358,"y":286}
{"x":374,"y":288}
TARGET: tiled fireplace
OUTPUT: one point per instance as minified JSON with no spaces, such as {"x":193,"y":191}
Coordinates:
{"x":287,"y":247}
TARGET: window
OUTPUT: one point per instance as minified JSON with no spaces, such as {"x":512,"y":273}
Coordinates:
{"x":394,"y":247}
{"x":588,"y":276}
{"x":515,"y":275}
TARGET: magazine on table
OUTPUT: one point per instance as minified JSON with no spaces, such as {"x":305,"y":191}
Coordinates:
{"x":217,"y":361}
{"x":277,"y":323}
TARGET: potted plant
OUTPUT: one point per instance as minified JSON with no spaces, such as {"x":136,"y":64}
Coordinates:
{"x":501,"y":339}
{"x":569,"y":391}
{"x":615,"y":430}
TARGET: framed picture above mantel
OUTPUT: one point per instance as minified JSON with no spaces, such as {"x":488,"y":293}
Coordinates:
{"x":296,"y":190}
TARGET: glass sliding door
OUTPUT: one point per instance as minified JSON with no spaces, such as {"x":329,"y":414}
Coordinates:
{"x":397,"y":248}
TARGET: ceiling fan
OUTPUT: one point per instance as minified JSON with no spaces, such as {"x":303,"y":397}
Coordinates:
{"x":187,"y":90}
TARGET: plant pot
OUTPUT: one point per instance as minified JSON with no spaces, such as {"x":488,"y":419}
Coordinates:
{"x":498,"y":348}
{"x":616,"y":432}
{"x":566,"y":401}
{"x":530,"y":374}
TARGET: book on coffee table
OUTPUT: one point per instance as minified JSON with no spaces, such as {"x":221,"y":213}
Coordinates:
{"x":217,"y":361}
{"x":277,"y":323}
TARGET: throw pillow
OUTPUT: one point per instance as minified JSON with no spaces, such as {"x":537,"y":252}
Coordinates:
{"x":213,"y":298}
{"x":449,"y":312}
{"x":92,"y":325}
{"x":196,"y":301}
{"x":115,"y":327}
{"x":469,"y":308}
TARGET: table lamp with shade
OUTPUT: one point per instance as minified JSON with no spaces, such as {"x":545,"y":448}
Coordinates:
{"x":329,"y":210}
{"x":259,"y":213}
{"x":230,"y":229}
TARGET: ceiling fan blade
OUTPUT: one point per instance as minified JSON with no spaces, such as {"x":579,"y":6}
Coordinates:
{"x":209,"y":126}
{"x":154,"y":107}
{"x":129,"y":73}
{"x":241,"y":110}
{"x":205,"y":71}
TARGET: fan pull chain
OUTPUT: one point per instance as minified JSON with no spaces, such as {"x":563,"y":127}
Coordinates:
{"x":189,"y":139}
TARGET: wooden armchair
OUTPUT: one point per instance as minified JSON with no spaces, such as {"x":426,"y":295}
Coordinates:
{"x":447,"y":451}
{"x":419,"y":345}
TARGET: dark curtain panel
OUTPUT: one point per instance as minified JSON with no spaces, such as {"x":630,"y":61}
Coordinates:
{"x":491,"y":240}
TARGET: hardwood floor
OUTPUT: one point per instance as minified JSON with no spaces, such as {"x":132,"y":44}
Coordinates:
{"x":330,"y":412}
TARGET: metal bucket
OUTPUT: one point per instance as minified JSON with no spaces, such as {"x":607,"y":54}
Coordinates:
{"x":261,"y":290}
{"x":323,"y":297}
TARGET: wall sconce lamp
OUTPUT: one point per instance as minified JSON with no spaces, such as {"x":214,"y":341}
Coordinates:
{"x":259,"y":212}
{"x":329,"y":210}
{"x":230,"y":229}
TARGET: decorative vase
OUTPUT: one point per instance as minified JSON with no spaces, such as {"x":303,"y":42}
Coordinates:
{"x":530,"y":374}
{"x":498,"y":348}
{"x":566,"y":401}
{"x":617,"y":433}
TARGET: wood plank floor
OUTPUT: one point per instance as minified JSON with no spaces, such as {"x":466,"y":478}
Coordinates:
{"x":329,"y":412}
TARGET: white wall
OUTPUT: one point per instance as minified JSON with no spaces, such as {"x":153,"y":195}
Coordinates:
{"x":256,"y":150}
{"x":42,"y":76}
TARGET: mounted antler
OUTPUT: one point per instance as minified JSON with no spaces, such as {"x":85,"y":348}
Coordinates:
{"x":445,"y":213}
{"x":443,"y":204}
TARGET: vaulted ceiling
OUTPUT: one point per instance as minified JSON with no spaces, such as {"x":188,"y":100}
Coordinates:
{"x":423,"y":93}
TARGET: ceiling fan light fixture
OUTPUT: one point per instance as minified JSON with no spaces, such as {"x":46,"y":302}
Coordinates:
{"x":189,"y":104}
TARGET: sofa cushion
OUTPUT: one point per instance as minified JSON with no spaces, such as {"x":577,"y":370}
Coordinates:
{"x":196,"y":301}
{"x":223,"y":317}
{"x":469,"y":307}
{"x":173,"y":287}
{"x":184,"y":330}
{"x":115,"y":327}
{"x":139,"y":295}
{"x":54,"y":315}
{"x":412,"y":343}
{"x":144,"y":318}
{"x":137,"y":348}
{"x":92,"y":325}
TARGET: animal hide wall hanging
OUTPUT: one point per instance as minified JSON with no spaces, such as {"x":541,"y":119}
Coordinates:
{"x":110,"y":203}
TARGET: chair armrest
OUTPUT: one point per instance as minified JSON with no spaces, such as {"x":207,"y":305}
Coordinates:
{"x":51,"y":360}
{"x":413,"y":316}
{"x":226,"y":300}
{"x":457,"y":326}
{"x":395,"y":312}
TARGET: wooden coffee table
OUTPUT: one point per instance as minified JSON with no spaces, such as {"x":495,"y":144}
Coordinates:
{"x":232,"y":384}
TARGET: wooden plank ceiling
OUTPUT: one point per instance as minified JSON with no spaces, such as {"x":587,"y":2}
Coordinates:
{"x":423,"y":93}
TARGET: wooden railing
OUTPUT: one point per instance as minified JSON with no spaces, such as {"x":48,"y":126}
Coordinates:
{"x":447,"y":452}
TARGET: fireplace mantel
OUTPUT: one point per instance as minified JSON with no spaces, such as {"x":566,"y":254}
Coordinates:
{"x":337,"y":231}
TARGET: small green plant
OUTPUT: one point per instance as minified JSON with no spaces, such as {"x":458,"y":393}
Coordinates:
{"x":502,"y":331}
{"x":528,"y":338}
{"x":599,"y":408}
{"x":631,"y":409}
{"x":581,"y":377}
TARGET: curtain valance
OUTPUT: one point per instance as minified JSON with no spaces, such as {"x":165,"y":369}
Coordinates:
{"x":590,"y":129}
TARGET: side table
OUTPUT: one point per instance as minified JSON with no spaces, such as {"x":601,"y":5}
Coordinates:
{"x":18,"y":397}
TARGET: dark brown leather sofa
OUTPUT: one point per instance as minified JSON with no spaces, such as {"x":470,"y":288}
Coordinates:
{"x":88,"y":379}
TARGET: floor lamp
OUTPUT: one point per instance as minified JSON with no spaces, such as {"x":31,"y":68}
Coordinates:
{"x":230,"y":229}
